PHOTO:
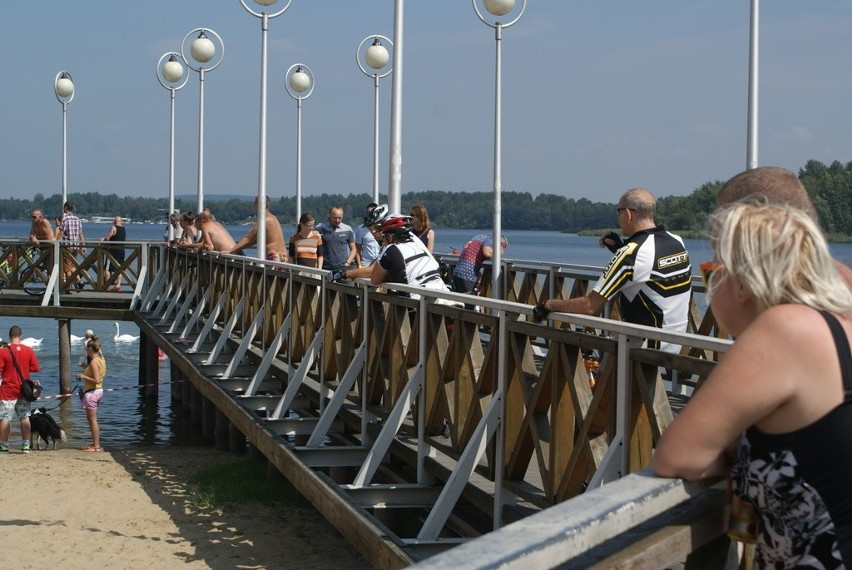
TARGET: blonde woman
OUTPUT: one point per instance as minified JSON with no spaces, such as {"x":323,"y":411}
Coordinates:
{"x":420,"y":220}
{"x":776,"y":412}
{"x":93,"y":390}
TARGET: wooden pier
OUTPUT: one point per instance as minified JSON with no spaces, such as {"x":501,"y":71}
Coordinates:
{"x":417,"y":426}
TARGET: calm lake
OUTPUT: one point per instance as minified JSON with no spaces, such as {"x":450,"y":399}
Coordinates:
{"x":130,"y":418}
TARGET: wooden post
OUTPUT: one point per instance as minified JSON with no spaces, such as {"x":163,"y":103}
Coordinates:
{"x":236,"y":440}
{"x":149,"y":365}
{"x":208,"y":419}
{"x":177,"y":379}
{"x":64,"y":331}
{"x":186,"y":390}
{"x":196,"y":407}
{"x":222,"y":437}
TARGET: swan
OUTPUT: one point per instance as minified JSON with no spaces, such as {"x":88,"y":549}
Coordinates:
{"x":75,"y":338}
{"x":31,"y":342}
{"x":122,"y":337}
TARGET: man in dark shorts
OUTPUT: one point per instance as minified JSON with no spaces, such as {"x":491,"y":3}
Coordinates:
{"x":115,"y":259}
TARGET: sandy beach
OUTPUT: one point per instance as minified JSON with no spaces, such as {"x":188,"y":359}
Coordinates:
{"x":129,"y":508}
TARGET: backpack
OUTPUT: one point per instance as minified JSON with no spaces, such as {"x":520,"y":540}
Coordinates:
{"x":30,"y":390}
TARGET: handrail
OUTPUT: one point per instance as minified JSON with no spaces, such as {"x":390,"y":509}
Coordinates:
{"x":565,"y":534}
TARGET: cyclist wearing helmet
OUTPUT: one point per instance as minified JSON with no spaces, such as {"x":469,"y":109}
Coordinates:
{"x":406,"y":259}
{"x":365,"y":243}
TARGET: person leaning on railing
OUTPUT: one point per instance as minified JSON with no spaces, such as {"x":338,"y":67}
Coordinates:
{"x":776,"y":412}
{"x":650,"y":269}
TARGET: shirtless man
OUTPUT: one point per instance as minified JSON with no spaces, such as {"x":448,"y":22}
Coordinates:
{"x":40,"y":228}
{"x":214,"y":236}
{"x":276,"y":248}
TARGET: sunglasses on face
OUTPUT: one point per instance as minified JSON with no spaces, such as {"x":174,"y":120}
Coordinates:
{"x":708,"y":268}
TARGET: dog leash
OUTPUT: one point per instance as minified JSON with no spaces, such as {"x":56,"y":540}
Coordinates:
{"x":68,"y":395}
{"x":65,"y":396}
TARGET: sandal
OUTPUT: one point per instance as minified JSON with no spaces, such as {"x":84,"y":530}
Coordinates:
{"x":91,"y":448}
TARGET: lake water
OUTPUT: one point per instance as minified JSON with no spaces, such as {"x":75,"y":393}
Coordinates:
{"x":128,"y":417}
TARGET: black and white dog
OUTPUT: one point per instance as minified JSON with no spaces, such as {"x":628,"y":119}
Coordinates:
{"x":44,"y":426}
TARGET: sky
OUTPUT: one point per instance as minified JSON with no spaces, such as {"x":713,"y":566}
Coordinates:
{"x":598,"y":96}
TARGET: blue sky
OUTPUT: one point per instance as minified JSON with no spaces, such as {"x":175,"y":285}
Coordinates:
{"x":598,"y":96}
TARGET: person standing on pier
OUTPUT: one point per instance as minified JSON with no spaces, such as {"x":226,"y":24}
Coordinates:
{"x":71,"y":234}
{"x":776,"y":185}
{"x":214,"y":236}
{"x":276,"y":247}
{"x":16,"y":359}
{"x":93,"y":390}
{"x":420,"y":219}
{"x":40,"y":229}
{"x":406,"y":259}
{"x":117,"y":233}
{"x":306,"y":243}
{"x":775,"y":414}
{"x":338,"y":241}
{"x":466,"y":276}
{"x":366,"y":245}
{"x":650,"y":269}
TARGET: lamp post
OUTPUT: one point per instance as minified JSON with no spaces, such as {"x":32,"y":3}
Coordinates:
{"x":204,"y":55}
{"x":63,"y":86}
{"x":498,"y":8}
{"x":376,"y":57}
{"x":753,"y":74}
{"x":261,"y":168}
{"x":299,"y":82}
{"x":171,"y":75}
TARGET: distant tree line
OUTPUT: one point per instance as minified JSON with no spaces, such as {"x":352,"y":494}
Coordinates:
{"x":830,"y":188}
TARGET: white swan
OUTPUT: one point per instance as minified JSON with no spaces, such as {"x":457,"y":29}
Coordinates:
{"x":31,"y":342}
{"x":122,"y":337}
{"x":75,"y":338}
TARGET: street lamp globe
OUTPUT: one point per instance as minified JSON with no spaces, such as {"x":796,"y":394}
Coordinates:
{"x":64,"y":86}
{"x":202,"y":49}
{"x":499,"y":7}
{"x":172,"y":70}
{"x":265,"y":2}
{"x":377,"y":55}
{"x":300,"y":81}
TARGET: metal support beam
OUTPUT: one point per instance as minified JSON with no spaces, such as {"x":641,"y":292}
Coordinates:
{"x":226,"y":333}
{"x":464,"y":469}
{"x":339,"y":397}
{"x":269,"y":357}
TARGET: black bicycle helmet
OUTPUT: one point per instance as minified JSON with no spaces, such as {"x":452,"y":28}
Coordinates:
{"x":376,"y":216}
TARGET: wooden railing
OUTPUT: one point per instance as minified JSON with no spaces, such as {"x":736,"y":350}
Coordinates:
{"x":502,"y":398}
{"x":56,"y":268}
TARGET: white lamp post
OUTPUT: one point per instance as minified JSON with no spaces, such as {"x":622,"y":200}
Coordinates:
{"x":204,"y":55}
{"x":753,"y":74}
{"x":376,"y":58}
{"x":299,"y":82}
{"x":261,"y":174}
{"x":63,"y":86}
{"x":498,"y":8}
{"x":171,"y":75}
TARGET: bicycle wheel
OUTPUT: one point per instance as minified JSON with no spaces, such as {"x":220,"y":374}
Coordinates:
{"x":34,"y":286}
